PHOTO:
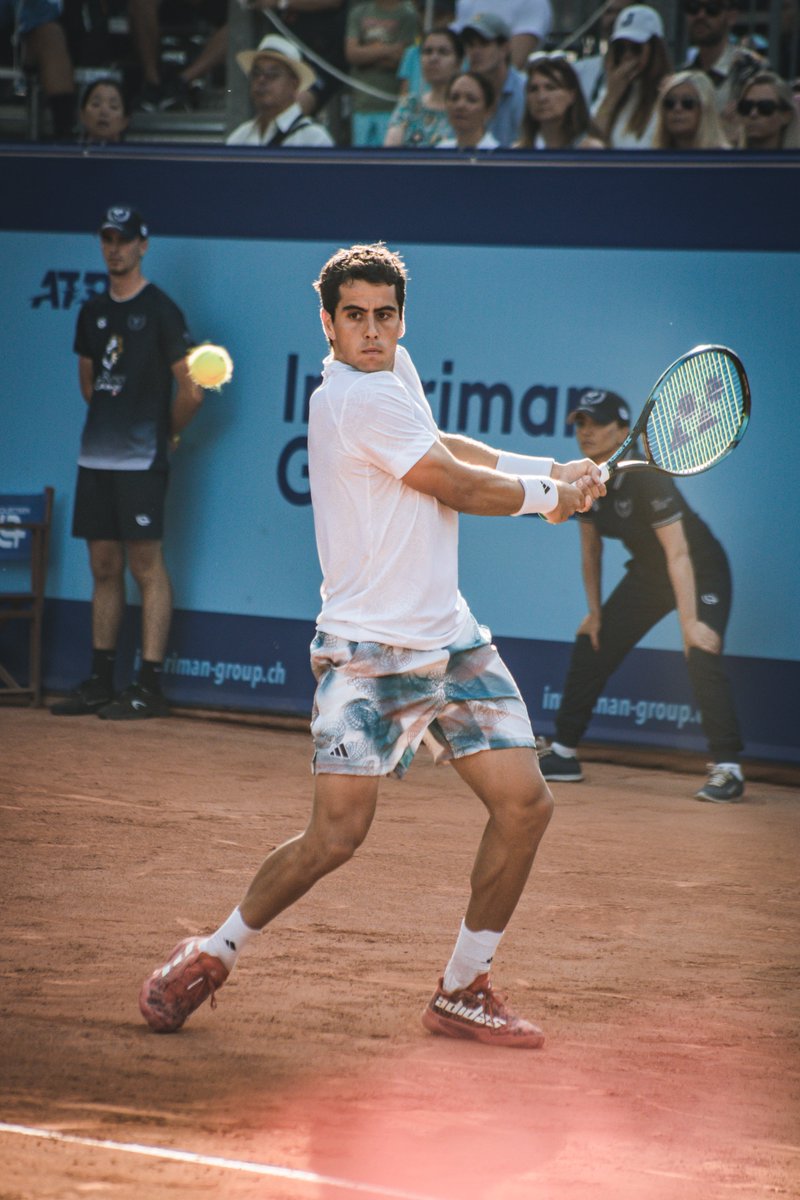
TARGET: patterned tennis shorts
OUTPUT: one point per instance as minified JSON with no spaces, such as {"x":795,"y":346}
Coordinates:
{"x":373,"y":703}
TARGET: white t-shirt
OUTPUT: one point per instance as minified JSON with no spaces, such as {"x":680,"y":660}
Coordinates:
{"x":389,"y":554}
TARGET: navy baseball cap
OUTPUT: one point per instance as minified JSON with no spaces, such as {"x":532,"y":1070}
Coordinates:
{"x":602,"y":407}
{"x":126,"y":221}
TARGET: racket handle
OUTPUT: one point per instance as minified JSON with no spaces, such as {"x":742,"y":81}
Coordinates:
{"x":604,"y":473}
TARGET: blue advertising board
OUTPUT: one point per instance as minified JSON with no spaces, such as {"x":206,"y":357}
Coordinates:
{"x":530,"y":282}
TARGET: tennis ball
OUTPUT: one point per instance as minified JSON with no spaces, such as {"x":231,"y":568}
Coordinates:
{"x":210,"y":366}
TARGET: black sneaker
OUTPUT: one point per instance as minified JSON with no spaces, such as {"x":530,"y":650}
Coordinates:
{"x":556,"y":766}
{"x":88,"y":697}
{"x":136,"y":703}
{"x":721,"y":787}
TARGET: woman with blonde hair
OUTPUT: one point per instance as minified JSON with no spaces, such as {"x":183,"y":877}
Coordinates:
{"x":768,"y":117}
{"x":688,"y":118}
{"x":637,"y":63}
{"x":556,"y":116}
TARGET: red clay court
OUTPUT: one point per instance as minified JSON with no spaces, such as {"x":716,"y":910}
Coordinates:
{"x":657,"y":944}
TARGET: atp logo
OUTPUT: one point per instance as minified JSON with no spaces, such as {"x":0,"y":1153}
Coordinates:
{"x":68,"y":289}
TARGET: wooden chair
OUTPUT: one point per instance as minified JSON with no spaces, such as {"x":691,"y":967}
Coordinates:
{"x":24,"y":542}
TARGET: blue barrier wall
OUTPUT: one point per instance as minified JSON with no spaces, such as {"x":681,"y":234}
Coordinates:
{"x":530,"y":278}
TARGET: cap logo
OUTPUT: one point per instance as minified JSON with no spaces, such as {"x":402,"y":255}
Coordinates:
{"x":592,"y":399}
{"x":628,"y":18}
{"x":120,"y":215}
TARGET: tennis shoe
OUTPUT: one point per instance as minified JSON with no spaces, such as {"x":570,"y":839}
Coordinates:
{"x":558,"y":767}
{"x":136,"y":703}
{"x":721,"y":787}
{"x":182,"y":984}
{"x":480,"y":1015}
{"x":88,"y":697}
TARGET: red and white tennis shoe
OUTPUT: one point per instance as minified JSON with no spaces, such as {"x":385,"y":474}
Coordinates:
{"x":478,"y":1013}
{"x":174,"y":991}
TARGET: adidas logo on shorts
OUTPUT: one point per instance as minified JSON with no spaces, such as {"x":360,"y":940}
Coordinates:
{"x":339,"y":751}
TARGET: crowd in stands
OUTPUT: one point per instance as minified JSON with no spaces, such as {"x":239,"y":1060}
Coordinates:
{"x":449,"y":74}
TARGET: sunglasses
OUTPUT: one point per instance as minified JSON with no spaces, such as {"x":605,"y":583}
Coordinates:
{"x":712,"y":8}
{"x":687,"y":102}
{"x":765,"y":108}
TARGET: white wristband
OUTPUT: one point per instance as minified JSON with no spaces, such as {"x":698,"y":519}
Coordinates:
{"x":541,"y":495}
{"x":523,"y":464}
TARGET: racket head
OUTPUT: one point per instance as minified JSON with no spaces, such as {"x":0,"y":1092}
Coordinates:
{"x":698,"y":411}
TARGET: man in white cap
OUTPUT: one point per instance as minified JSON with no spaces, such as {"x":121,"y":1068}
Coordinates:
{"x":277,"y":73}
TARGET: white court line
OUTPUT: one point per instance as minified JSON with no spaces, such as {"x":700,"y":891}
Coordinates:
{"x":213,"y":1160}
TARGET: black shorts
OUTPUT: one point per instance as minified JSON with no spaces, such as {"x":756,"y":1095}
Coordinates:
{"x":119,"y":506}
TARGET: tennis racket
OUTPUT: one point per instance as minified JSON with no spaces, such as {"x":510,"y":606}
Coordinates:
{"x":695,"y":415}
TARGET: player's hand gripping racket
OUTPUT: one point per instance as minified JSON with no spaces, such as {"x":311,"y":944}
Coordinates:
{"x":695,"y":415}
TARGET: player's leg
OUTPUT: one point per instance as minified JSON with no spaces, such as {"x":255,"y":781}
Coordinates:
{"x":712,"y":686}
{"x":637,"y":604}
{"x":518,"y":801}
{"x":341,"y":815}
{"x":519,"y":804}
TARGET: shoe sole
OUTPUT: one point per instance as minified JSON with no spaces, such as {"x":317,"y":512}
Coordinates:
{"x":563,"y":778}
{"x":454,"y":1029}
{"x":719,"y":799}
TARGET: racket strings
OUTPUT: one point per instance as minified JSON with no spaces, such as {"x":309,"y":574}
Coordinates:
{"x":697,"y":415}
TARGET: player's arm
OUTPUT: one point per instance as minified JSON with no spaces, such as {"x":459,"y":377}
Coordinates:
{"x":86,"y":378}
{"x":188,"y":398}
{"x":681,"y":574}
{"x":469,"y":450}
{"x":592,"y":571}
{"x":475,"y":487}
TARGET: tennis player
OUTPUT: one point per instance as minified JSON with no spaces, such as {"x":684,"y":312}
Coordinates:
{"x":397,"y":651}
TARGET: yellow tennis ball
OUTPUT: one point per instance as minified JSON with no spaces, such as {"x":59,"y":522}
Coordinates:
{"x":210,"y":366}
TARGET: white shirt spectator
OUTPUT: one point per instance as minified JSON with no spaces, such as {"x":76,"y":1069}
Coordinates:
{"x":290,"y":128}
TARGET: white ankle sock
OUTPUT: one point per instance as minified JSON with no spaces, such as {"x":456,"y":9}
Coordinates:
{"x":564,"y":751}
{"x":734,"y":768}
{"x":472,"y":956}
{"x":229,"y":940}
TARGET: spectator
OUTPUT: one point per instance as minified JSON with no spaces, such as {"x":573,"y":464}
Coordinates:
{"x":528,"y":23}
{"x":321,"y":26}
{"x":709,"y":29}
{"x":637,"y":62}
{"x":469,"y":101}
{"x":422,"y":120}
{"x":104,"y":112}
{"x":768,"y":116}
{"x":687,"y":115}
{"x":145,"y":23}
{"x":277,"y":73}
{"x":486,"y":41}
{"x":378,"y":32}
{"x":556,"y":116}
{"x":591,"y":70}
{"x":409,"y":72}
{"x":35,"y":28}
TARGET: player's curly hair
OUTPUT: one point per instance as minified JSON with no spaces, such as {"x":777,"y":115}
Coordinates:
{"x":374,"y":263}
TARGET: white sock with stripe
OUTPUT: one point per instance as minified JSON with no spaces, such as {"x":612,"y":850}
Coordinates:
{"x":472,"y":956}
{"x":229,"y":940}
